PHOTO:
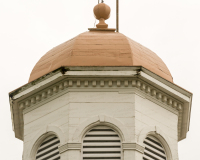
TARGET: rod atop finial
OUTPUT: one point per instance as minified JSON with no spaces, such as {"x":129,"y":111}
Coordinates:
{"x":117,"y":15}
{"x":102,"y":1}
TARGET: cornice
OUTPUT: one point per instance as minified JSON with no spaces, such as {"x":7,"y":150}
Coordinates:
{"x":109,"y":83}
{"x":42,"y":80}
{"x":82,"y":84}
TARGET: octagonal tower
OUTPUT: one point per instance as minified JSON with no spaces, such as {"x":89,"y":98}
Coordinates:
{"x":99,"y":96}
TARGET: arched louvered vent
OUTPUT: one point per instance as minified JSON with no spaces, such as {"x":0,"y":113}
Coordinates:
{"x":101,"y":143}
{"x":48,"y":150}
{"x":153,"y":149}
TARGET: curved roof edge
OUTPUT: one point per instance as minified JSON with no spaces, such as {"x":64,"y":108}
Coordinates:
{"x":100,"y":48}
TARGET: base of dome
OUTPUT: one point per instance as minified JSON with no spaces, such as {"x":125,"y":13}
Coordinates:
{"x":102,"y":29}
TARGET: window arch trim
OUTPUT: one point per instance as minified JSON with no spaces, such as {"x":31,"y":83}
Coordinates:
{"x":41,"y":136}
{"x":115,"y":148}
{"x":160,"y":135}
{"x":101,"y":120}
{"x":48,"y":148}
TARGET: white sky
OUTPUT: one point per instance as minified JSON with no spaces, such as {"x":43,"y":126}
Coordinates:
{"x":29,"y":28}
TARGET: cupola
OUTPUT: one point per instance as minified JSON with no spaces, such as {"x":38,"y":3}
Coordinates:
{"x":100,"y":95}
{"x":100,"y":47}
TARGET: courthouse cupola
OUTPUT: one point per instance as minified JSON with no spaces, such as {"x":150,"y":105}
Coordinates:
{"x":100,"y":95}
{"x":100,"y":47}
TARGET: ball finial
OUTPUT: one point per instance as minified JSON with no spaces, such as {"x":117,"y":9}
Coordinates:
{"x":102,"y":13}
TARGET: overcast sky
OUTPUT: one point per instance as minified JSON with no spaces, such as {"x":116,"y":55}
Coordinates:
{"x":29,"y":28}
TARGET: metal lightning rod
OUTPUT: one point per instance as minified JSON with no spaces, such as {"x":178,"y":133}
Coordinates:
{"x":117,"y":15}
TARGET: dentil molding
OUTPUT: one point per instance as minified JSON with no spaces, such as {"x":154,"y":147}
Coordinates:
{"x":103,"y":83}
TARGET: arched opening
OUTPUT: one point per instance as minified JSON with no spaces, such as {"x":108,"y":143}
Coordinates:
{"x":48,"y":149}
{"x":154,"y":150}
{"x":101,"y":142}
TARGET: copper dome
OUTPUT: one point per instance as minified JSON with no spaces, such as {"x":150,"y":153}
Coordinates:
{"x":100,"y":48}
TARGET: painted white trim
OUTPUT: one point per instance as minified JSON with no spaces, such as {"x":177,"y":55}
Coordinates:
{"x":69,"y":146}
{"x":50,"y":79}
{"x":127,"y":79}
{"x":101,"y":73}
{"x":160,"y":135}
{"x":41,"y":135}
{"x":125,"y":86}
{"x":165,"y":86}
{"x":150,"y":98}
{"x":133,"y":146}
{"x":100,"y":120}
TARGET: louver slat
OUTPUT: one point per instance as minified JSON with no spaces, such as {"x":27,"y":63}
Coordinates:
{"x":101,"y":149}
{"x":51,"y":143}
{"x":153,"y":149}
{"x":101,"y":143}
{"x":149,"y":143}
{"x":147,"y":158}
{"x":103,"y":155}
{"x":48,"y":150}
{"x":102,"y":159}
{"x":56,"y":157}
{"x":98,"y":145}
{"x":105,"y":138}
{"x":102,"y":133}
{"x":150,"y":154}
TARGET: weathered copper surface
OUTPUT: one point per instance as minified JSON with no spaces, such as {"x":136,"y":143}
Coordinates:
{"x":100,"y":48}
